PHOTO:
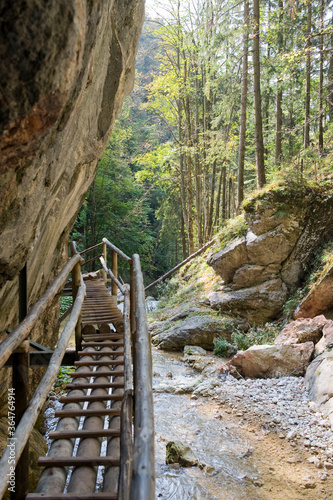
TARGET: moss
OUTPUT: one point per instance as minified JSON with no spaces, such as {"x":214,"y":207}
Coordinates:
{"x":287,"y":192}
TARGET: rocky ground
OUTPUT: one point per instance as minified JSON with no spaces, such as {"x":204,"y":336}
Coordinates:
{"x":286,"y":431}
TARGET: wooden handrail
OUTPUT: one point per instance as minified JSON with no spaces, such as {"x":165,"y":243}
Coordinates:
{"x":91,"y":260}
{"x":91,"y":248}
{"x":22,"y":331}
{"x":116,"y":249}
{"x":178,"y":266}
{"x":143,"y":478}
{"x":112,"y":276}
{"x":32,"y":413}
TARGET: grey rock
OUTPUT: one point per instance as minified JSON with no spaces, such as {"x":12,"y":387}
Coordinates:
{"x":226,"y":261}
{"x":192,"y":350}
{"x":257,"y":304}
{"x":197,"y":330}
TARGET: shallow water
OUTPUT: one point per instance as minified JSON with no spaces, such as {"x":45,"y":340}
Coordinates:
{"x":220,"y":446}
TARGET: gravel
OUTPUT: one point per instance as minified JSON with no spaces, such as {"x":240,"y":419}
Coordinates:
{"x":279,"y":405}
{"x":282,"y":406}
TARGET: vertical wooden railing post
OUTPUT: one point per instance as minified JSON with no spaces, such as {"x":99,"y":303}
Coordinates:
{"x":106,"y":262}
{"x":76,"y":282}
{"x":132,"y":315}
{"x":114,"y":269}
{"x":20,"y":392}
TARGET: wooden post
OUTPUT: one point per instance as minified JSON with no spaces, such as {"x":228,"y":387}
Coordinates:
{"x":106,"y":262}
{"x":114,"y":269}
{"x":20,"y":391}
{"x":132,"y":315}
{"x":21,"y":400}
{"x":76,"y":282}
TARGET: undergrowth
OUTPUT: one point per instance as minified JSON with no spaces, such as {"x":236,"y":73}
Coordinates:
{"x":258,"y":335}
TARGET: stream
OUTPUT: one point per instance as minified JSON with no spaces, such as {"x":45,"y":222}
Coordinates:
{"x":242,"y":457}
{"x":245,"y":460}
{"x":221,"y":447}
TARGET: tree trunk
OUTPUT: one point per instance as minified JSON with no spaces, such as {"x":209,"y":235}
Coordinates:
{"x":330,"y":78}
{"x":198,"y":169}
{"x":218,"y":200}
{"x":308,"y":80}
{"x":321,"y":79}
{"x":224,"y":194}
{"x":278,"y":129}
{"x":259,"y":142}
{"x":182,"y":227}
{"x":242,"y":129}
{"x":211,"y":208}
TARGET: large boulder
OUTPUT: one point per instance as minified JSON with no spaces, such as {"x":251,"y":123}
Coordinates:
{"x":318,"y":380}
{"x":326,"y":341}
{"x":257,"y":304}
{"x":197,"y":330}
{"x":250,"y":275}
{"x":272,"y":361}
{"x":302,"y":330}
{"x":319,"y":298}
{"x":285,"y":227}
{"x":229,"y":259}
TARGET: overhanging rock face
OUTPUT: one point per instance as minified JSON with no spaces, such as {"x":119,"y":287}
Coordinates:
{"x":65,"y":68}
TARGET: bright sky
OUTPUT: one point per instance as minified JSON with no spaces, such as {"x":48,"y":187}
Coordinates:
{"x":154,"y":7}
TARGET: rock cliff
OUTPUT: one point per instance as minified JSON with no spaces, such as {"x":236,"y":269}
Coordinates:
{"x":65,"y":68}
{"x":285,"y":227}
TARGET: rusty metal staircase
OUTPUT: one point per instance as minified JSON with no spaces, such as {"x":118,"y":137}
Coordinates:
{"x":96,"y":451}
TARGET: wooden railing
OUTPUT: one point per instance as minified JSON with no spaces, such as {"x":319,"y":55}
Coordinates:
{"x":137,"y":477}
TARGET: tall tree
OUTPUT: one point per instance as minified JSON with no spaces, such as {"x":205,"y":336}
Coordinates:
{"x":321,"y":79}
{"x":259,"y":142}
{"x":278,"y":128}
{"x":242,"y":128}
{"x":308,"y":78}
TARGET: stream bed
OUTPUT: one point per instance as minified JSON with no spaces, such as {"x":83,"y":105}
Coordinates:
{"x":245,"y":460}
{"x":243,"y":454}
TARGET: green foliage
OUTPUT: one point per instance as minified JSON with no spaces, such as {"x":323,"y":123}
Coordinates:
{"x":223,"y":348}
{"x":242,"y":341}
{"x":65,"y":303}
{"x":233,"y":229}
{"x":64,"y":377}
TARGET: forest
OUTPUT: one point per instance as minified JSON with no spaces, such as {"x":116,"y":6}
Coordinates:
{"x":230,"y":97}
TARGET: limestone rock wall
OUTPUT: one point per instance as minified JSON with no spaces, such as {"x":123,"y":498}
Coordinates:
{"x":65,"y":68}
{"x":285,"y":227}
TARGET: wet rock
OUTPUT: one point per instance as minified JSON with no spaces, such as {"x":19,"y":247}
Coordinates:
{"x":192,"y":350}
{"x":197,"y":330}
{"x":269,"y":361}
{"x":302,"y":330}
{"x":180,"y":453}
